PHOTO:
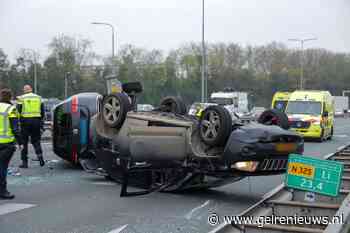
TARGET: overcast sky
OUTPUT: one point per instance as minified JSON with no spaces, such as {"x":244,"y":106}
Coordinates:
{"x":166,"y":24}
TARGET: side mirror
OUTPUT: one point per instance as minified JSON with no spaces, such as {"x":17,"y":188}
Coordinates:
{"x":325,"y":114}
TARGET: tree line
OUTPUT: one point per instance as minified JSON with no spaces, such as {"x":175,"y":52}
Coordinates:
{"x":258,"y":70}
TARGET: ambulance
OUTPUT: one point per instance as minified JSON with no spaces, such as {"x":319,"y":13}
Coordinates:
{"x":280,"y":100}
{"x":311,"y":114}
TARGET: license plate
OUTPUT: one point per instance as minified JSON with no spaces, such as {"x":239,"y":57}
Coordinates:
{"x":286,"y":147}
{"x":300,"y":169}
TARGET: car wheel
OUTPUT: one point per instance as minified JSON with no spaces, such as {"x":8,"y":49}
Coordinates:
{"x":274,"y":117}
{"x":173,"y":104}
{"x":215,"y":126}
{"x":114,"y":109}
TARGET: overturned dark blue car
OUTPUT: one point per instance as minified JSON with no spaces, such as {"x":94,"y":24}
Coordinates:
{"x":165,"y":149}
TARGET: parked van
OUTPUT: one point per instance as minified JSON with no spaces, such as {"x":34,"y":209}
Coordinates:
{"x":280,"y":100}
{"x":234,"y":102}
{"x":311,"y":113}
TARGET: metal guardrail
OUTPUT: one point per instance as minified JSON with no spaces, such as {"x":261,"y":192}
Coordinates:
{"x":283,"y":201}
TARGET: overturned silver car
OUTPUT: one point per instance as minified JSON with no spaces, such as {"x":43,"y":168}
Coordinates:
{"x":165,"y":149}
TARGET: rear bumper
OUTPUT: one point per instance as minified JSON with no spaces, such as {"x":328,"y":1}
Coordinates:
{"x":270,"y":160}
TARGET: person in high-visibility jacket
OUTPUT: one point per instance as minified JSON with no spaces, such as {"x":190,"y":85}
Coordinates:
{"x":31,"y":110}
{"x":9,"y":134}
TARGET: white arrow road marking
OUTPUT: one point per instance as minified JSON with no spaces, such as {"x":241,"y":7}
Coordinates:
{"x":13,"y":207}
{"x":118,"y":230}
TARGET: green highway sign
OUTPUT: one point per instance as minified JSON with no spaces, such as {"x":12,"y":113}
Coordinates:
{"x":315,"y":175}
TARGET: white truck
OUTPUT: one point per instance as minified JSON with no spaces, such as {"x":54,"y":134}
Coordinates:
{"x":341,"y":105}
{"x":235,"y":102}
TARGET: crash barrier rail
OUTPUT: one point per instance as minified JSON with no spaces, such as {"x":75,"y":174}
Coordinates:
{"x":301,"y":211}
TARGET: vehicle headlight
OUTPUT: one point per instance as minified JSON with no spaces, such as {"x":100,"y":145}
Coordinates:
{"x":315,"y":121}
{"x":247,"y":166}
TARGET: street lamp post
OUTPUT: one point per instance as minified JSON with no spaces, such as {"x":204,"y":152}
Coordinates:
{"x":35,"y":70}
{"x":66,"y":84}
{"x":111,"y":26}
{"x":35,"y":77}
{"x":204,"y":67}
{"x":302,"y":41}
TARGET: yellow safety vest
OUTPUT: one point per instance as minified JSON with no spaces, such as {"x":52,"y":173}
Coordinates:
{"x":7,"y":111}
{"x":199,"y":113}
{"x":31,"y":105}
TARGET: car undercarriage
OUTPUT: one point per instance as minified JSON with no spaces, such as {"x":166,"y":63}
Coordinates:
{"x":167,"y":150}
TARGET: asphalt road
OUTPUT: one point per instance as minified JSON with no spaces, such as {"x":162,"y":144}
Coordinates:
{"x":59,"y":198}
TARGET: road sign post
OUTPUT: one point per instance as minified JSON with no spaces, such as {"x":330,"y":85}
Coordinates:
{"x":314,"y":175}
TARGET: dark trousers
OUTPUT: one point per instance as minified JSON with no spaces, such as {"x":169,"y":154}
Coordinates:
{"x":30,"y":128}
{"x":6,"y":152}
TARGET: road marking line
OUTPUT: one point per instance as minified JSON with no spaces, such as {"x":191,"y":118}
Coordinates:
{"x":118,"y":230}
{"x":13,"y":207}
{"x":341,"y":135}
{"x":106,"y":183}
{"x":190,"y":214}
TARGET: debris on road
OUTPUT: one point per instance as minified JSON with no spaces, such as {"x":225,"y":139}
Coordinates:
{"x":11,"y":171}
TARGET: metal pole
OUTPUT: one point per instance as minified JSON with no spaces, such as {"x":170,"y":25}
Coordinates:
{"x":113,"y":42}
{"x":116,"y":42}
{"x":203,"y":98}
{"x":35,"y":76}
{"x":113,"y":67}
{"x":66,"y":85}
{"x":302,"y":41}
{"x":35,"y":70}
{"x":302,"y":66}
{"x":111,"y":26}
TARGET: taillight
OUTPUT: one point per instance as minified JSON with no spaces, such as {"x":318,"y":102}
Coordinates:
{"x":290,"y":120}
{"x":74,"y":104}
{"x":314,"y":121}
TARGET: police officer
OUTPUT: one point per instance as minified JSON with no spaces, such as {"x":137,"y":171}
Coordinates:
{"x":9,"y":132}
{"x":31,"y":110}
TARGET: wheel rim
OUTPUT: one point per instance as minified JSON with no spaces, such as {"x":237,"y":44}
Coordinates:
{"x":210,"y":125}
{"x":111,"y":110}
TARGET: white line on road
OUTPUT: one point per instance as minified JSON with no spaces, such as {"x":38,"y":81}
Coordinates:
{"x":193,"y":211}
{"x":341,"y":135}
{"x":106,"y":183}
{"x":118,"y":230}
{"x":13,"y":207}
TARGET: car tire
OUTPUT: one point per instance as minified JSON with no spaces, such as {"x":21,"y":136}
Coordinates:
{"x":274,"y":117}
{"x":114,"y":109}
{"x":173,"y":104}
{"x":215,"y":126}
